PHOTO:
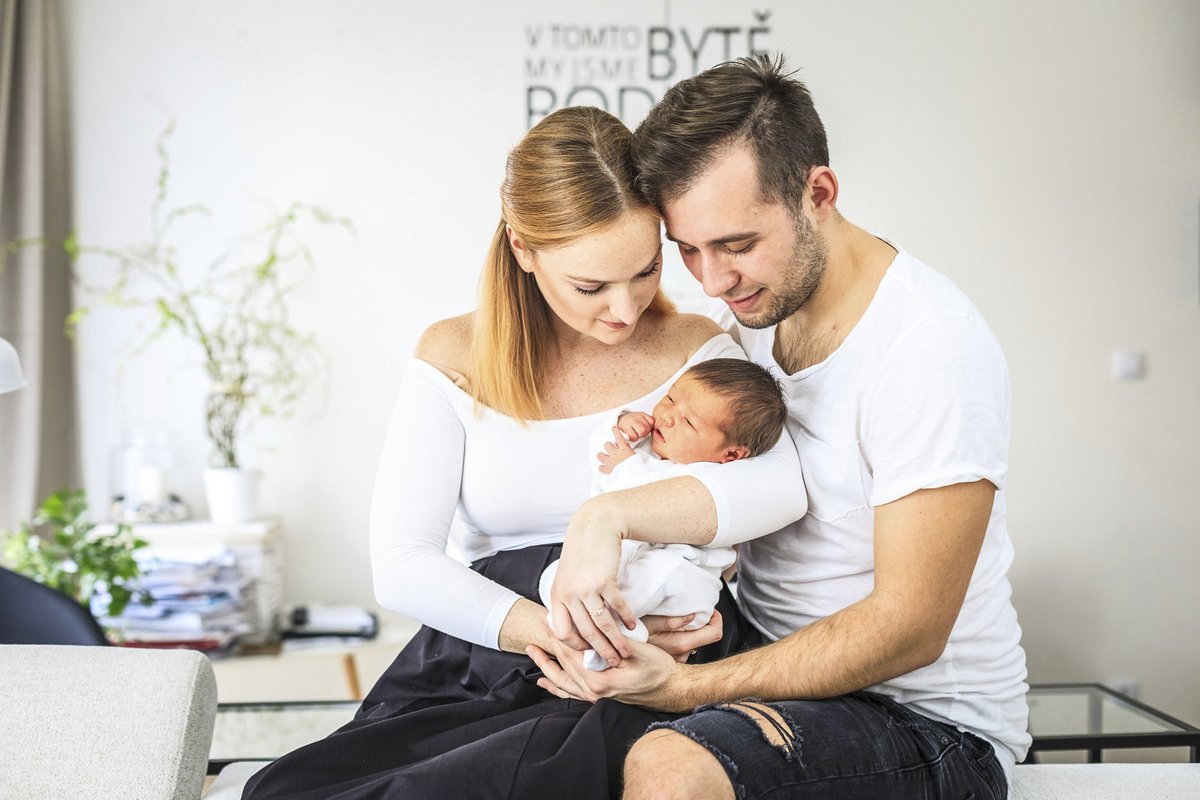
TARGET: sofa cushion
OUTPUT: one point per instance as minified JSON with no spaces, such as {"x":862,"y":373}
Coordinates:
{"x":1105,"y":782}
{"x":104,"y":722}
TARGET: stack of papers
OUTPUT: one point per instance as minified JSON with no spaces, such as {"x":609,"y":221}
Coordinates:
{"x":196,"y":596}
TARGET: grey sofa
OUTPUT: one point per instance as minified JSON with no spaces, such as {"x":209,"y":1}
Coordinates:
{"x":92,"y":722}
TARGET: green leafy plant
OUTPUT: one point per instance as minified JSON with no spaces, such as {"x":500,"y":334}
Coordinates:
{"x":60,"y":550}
{"x":234,"y":309}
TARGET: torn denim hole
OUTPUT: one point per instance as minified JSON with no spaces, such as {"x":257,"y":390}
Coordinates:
{"x":726,"y":762}
{"x":764,"y":714}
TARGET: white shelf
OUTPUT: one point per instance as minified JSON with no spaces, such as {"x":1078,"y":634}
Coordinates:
{"x":203,"y":531}
{"x":329,"y":671}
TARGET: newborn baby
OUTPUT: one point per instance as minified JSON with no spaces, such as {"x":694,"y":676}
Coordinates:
{"x":718,"y":411}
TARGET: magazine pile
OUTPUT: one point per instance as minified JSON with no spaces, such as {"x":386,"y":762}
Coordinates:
{"x":197,"y":600}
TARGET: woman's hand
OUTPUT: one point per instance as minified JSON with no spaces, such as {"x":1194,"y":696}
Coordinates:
{"x":667,"y":634}
{"x":585,"y":603}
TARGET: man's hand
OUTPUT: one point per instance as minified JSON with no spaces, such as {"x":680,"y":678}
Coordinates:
{"x":615,"y":451}
{"x":667,"y":634}
{"x":649,"y":677}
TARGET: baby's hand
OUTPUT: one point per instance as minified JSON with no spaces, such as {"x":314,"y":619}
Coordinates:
{"x":615,"y":451}
{"x":635,"y":425}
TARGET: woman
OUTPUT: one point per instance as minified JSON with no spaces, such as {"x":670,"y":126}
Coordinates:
{"x":492,"y":424}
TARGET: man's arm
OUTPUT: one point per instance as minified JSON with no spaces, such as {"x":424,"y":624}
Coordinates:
{"x":524,"y":624}
{"x":926,"y":545}
{"x":676,"y":510}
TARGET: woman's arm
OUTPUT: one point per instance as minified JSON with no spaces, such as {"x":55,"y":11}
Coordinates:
{"x":415,"y":496}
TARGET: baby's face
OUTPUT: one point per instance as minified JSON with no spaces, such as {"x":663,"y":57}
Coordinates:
{"x":688,"y":424}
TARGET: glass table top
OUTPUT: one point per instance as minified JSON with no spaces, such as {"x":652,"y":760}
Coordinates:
{"x":1072,"y":709}
{"x":1093,"y":718}
{"x":263,"y":731}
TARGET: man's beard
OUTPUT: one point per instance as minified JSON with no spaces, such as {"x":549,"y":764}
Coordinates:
{"x":806,"y":269}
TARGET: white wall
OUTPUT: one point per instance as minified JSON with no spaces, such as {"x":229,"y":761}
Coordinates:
{"x":1044,"y":155}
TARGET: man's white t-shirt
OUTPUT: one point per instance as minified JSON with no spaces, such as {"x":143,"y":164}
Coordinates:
{"x":917,"y":397}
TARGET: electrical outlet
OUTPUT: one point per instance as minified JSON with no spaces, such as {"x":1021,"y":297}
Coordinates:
{"x":1128,"y":365}
{"x":1127,"y":685}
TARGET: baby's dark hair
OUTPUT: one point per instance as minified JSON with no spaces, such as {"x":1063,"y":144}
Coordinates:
{"x":757,"y":410}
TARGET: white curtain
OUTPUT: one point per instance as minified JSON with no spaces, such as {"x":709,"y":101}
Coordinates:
{"x":38,"y":424}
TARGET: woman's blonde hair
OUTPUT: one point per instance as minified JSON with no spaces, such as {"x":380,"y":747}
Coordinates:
{"x":571,"y":175}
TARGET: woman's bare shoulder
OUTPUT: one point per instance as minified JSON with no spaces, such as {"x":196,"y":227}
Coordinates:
{"x":446,"y":344}
{"x":686,"y":332}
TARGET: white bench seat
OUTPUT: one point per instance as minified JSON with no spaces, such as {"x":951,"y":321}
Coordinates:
{"x":1030,"y":782}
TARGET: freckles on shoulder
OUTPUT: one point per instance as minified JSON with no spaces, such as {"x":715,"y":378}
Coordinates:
{"x":446,"y":344}
{"x":684,"y":333}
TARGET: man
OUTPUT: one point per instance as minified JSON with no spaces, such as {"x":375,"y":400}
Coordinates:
{"x":895,"y":581}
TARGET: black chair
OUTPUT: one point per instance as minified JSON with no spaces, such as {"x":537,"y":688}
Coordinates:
{"x":31,"y":613}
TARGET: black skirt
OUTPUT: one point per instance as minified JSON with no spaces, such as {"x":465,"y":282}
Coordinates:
{"x":449,"y":719}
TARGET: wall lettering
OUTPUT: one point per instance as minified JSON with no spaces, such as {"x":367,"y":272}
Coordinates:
{"x":625,"y":69}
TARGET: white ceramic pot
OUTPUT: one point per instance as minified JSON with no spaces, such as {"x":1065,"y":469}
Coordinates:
{"x":232,"y":494}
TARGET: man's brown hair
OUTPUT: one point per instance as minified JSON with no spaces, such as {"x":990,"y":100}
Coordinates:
{"x":757,"y":410}
{"x":753,"y":99}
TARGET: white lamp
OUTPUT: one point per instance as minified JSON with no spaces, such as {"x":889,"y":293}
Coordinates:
{"x":11,"y":377}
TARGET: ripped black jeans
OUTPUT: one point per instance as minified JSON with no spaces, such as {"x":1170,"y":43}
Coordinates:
{"x":859,"y":746}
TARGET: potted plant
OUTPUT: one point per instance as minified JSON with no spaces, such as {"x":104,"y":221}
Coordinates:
{"x":234,"y":311}
{"x":59,"y":549}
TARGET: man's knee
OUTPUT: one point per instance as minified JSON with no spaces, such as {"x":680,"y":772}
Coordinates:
{"x":666,"y":764}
